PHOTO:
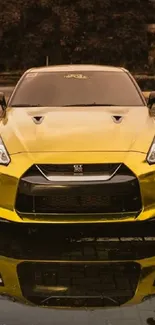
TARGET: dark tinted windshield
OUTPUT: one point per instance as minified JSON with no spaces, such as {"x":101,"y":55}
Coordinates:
{"x":77,"y":88}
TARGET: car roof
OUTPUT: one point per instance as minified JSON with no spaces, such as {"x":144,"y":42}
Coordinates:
{"x":77,"y":67}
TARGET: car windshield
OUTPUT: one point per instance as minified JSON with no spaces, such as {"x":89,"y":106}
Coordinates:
{"x":72,"y":88}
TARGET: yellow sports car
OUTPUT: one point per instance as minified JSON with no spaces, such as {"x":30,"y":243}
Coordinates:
{"x":77,"y":145}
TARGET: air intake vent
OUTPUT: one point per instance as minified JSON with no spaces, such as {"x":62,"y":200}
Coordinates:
{"x":38,"y":119}
{"x":117,"y":119}
{"x":120,"y":194}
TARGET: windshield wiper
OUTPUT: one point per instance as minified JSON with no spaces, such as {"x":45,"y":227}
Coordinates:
{"x":89,"y":105}
{"x":26,"y":105}
{"x":70,"y":105}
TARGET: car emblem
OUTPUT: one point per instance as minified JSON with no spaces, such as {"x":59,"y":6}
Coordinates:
{"x":78,"y":169}
{"x":117,"y":119}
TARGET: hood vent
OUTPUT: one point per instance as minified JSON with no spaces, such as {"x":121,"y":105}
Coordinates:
{"x":38,"y":119}
{"x":117,"y":118}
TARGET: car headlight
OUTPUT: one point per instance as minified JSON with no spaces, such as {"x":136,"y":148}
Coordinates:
{"x":4,"y":156}
{"x":151,"y":154}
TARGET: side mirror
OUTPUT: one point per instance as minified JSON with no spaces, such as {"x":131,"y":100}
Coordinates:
{"x":2,"y":101}
{"x":151,"y":99}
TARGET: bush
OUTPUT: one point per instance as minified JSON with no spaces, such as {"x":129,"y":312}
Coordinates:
{"x":81,"y":31}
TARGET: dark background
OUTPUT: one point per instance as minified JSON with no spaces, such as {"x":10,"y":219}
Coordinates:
{"x":115,"y":32}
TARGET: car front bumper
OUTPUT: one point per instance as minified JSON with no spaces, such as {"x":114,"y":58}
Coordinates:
{"x":142,"y":173}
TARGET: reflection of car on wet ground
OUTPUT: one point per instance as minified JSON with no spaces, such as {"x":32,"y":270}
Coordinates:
{"x":77,"y":145}
{"x":77,"y":266}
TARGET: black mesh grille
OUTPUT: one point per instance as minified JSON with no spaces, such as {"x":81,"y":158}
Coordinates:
{"x":77,"y":284}
{"x":120,"y":194}
{"x":77,"y":202}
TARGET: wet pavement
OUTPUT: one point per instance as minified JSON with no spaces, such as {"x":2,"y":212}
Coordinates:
{"x":15,"y":314}
{"x":29,"y":262}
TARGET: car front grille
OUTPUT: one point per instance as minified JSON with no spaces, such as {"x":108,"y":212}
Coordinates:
{"x":78,"y":284}
{"x":69,"y":169}
{"x":38,"y":195}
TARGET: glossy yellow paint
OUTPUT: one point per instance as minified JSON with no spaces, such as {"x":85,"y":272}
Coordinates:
{"x":82,"y":129}
{"x":134,"y":160}
{"x":11,"y":288}
{"x":77,"y":135}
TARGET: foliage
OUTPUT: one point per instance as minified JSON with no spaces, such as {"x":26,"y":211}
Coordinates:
{"x":81,"y":31}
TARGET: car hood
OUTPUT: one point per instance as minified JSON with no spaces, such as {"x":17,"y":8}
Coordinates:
{"x":77,"y":129}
